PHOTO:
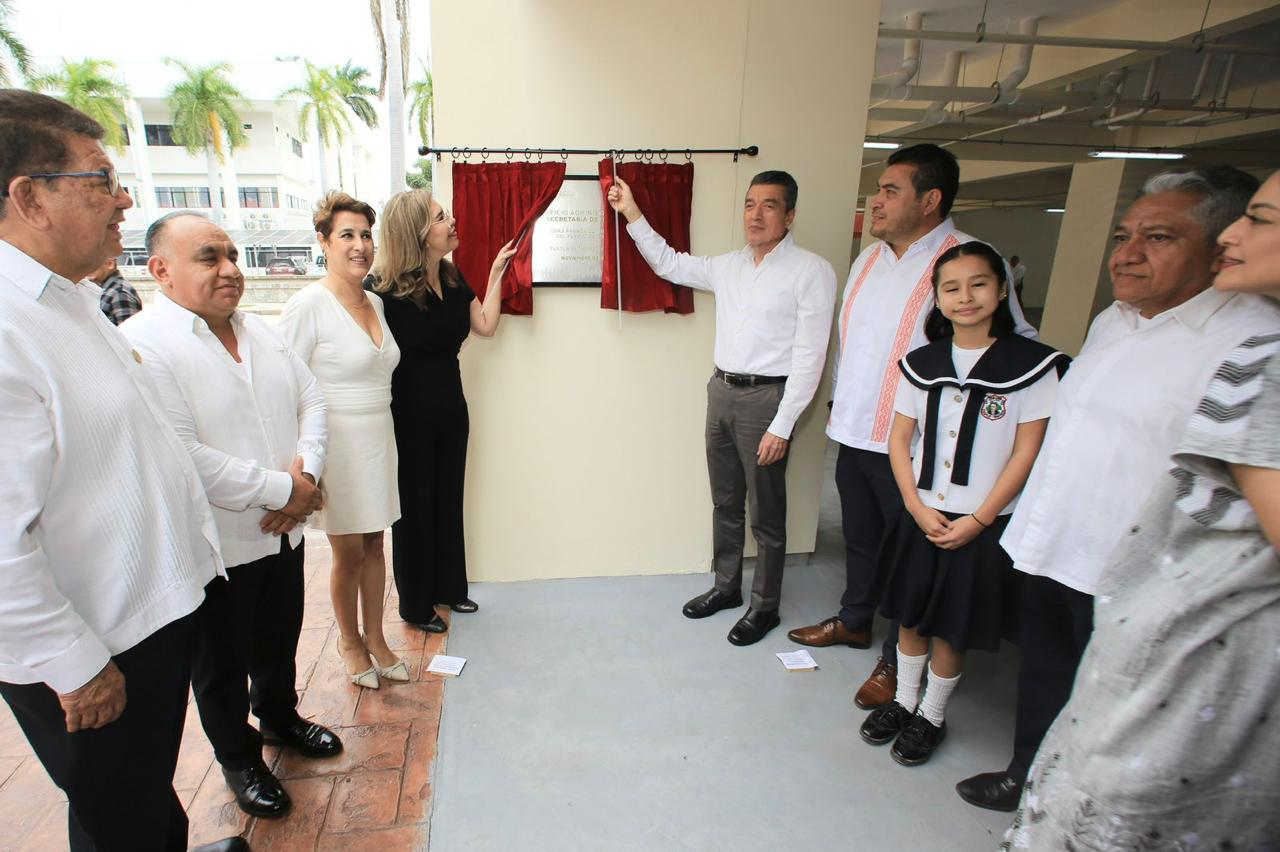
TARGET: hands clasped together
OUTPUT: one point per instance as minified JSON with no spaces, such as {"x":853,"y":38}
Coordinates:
{"x":303,"y":500}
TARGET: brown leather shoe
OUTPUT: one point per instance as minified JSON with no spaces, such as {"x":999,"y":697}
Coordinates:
{"x":831,"y":631}
{"x":879,"y":689}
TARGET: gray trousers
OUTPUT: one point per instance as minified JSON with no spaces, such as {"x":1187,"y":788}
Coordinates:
{"x":737,"y":418}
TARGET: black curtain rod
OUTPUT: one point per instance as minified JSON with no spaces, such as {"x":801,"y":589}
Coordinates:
{"x":638,"y":153}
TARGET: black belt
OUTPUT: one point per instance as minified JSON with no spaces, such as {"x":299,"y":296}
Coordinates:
{"x":745,"y":380}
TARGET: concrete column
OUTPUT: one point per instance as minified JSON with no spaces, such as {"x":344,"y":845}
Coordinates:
{"x":1080,"y":285}
{"x":146,"y":200}
{"x":231,"y":188}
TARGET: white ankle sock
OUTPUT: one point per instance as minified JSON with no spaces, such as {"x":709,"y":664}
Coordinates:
{"x":934,"y":705}
{"x":910,"y":672}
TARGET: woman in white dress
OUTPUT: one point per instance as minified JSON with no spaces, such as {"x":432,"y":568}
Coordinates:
{"x":339,"y":330}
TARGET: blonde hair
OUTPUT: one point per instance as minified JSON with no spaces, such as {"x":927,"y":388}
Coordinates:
{"x":336,"y":202}
{"x":399,"y":264}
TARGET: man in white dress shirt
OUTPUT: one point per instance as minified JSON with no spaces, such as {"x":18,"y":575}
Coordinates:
{"x":773,"y":319}
{"x":106,"y":538}
{"x":1120,"y":411}
{"x":253,"y":418}
{"x":886,"y":301}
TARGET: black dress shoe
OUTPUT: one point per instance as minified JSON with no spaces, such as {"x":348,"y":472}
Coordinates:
{"x":435,"y":625}
{"x":258,"y":792}
{"x":995,"y":791}
{"x":464,"y":605}
{"x":918,"y":740}
{"x":709,"y":603}
{"x":753,"y":626}
{"x":305,"y":738}
{"x":884,"y":723}
{"x":226,"y":844}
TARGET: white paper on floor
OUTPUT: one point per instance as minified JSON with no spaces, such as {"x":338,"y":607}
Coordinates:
{"x":442,"y":664}
{"x":797,"y":661}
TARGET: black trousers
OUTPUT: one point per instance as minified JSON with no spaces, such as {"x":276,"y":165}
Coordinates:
{"x":247,"y":629}
{"x":870,"y":505}
{"x":428,"y":549}
{"x":119,"y":778}
{"x":1056,"y":622}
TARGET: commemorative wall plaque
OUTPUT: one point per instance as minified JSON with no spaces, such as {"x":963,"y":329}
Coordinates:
{"x":567,"y":239}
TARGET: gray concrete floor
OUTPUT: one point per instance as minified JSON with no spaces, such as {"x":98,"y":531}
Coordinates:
{"x":593,"y":716}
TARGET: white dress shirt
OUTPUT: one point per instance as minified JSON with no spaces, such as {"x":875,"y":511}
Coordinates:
{"x":882,"y":313}
{"x":243,"y":423}
{"x":992,"y":440}
{"x":772,"y":318}
{"x":1120,"y":411}
{"x":105,"y":532}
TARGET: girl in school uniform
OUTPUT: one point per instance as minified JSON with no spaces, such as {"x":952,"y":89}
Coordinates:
{"x":973,"y":405}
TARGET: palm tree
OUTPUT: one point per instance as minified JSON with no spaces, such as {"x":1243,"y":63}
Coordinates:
{"x":391,"y":25}
{"x":421,"y":103}
{"x":355,"y":92}
{"x":205,"y":119}
{"x":13,"y":46}
{"x":322,"y":101}
{"x":90,"y":87}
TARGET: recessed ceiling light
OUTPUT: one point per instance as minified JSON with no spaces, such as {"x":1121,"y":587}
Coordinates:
{"x":1137,"y":155}
{"x":1055,"y":210}
{"x":883,"y":146}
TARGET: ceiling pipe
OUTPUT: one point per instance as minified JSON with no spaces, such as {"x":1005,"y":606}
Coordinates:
{"x":1007,"y":89}
{"x":910,"y":57}
{"x":1192,"y":46}
{"x":1217,"y":104}
{"x":1149,"y":95}
{"x":936,"y":113}
{"x":1201,"y":78}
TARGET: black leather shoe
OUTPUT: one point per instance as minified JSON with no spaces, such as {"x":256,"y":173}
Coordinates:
{"x":305,"y":738}
{"x":709,"y":603}
{"x":884,"y":723}
{"x":753,"y":626}
{"x":465,"y":605}
{"x":918,"y":740}
{"x":435,"y":625}
{"x":226,"y":844}
{"x":995,"y":791}
{"x":258,"y":792}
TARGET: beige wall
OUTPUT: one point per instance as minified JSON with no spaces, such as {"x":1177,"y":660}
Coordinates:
{"x":586,"y":441}
{"x":1030,"y":233}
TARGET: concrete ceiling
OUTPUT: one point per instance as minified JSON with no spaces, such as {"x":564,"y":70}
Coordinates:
{"x":1029,"y":163}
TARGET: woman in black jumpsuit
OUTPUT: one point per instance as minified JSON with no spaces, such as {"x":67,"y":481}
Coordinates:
{"x":431,"y":311}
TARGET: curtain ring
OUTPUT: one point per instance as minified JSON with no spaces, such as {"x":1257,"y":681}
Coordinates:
{"x":688,"y":154}
{"x":564,"y":155}
{"x":509,"y":154}
{"x":466,"y":155}
{"x":453,"y":152}
{"x":539,"y":153}
{"x":484,"y":155}
{"x":663,"y":156}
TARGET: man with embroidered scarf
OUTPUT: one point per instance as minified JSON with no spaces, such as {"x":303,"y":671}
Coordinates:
{"x":881,"y":318}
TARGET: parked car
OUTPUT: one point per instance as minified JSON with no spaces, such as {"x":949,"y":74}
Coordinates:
{"x":284,"y":266}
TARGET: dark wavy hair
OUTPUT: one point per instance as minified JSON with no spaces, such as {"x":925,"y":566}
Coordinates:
{"x":937,"y":327}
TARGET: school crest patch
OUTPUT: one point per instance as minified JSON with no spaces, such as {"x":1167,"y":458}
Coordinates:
{"x":994,"y":406}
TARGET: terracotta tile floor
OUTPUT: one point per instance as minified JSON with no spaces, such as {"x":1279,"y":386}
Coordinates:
{"x":376,"y":795}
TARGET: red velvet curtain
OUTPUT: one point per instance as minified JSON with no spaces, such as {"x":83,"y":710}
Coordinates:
{"x":493,"y":203}
{"x":664,"y":193}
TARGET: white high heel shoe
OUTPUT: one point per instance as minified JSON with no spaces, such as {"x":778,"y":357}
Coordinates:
{"x":367,"y":679}
{"x":397,"y":672}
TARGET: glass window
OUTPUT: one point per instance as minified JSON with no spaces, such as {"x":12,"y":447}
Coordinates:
{"x":160,"y":135}
{"x":297,"y":147}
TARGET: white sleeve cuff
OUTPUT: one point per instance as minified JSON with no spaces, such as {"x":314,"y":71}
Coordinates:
{"x":75,"y":666}
{"x":276,"y":493}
